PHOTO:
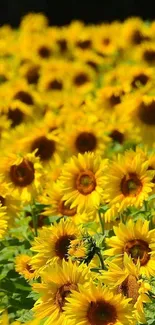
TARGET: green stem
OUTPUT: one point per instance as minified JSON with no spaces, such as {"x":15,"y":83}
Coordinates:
{"x":145,"y":205}
{"x":101,"y":222}
{"x":34,"y":219}
{"x":101,"y":259}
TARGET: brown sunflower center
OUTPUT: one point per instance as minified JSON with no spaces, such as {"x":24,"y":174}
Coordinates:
{"x":149,"y":56}
{"x":3,"y":78}
{"x":146,"y":113}
{"x":24,"y":97}
{"x":62,"y":246}
{"x":23,"y":174}
{"x":131,"y":185}
{"x":92,"y":64}
{"x":85,"y":141}
{"x":62,"y":293}
{"x":86,"y":182}
{"x":29,"y":268}
{"x":16,"y":116}
{"x":2,"y":200}
{"x":138,"y":37}
{"x":86,"y":44}
{"x":44,"y":52}
{"x":117,"y":136}
{"x":140,"y":79}
{"x":62,"y":43}
{"x":138,"y":249}
{"x":33,"y":75}
{"x":114,"y":100}
{"x":129,"y":288}
{"x":80,"y":79}
{"x":65,"y":210}
{"x":106,"y":41}
{"x":101,"y":313}
{"x":46,"y":147}
{"x":55,"y":85}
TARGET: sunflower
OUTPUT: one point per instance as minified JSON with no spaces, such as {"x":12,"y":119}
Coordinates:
{"x":106,"y":43}
{"x":3,"y":222}
{"x":97,"y":305}
{"x":137,"y":241}
{"x":130,"y":183}
{"x":119,"y":128}
{"x":126,"y":280}
{"x":145,"y":54}
{"x":17,"y":113}
{"x":140,"y":78}
{"x":58,"y":283}
{"x":142,"y":112}
{"x":23,"y":267}
{"x":135,"y":32}
{"x":89,"y":58}
{"x":87,"y":135}
{"x":108,"y":99}
{"x":82,"y":181}
{"x":56,"y":206}
{"x":82,"y":78}
{"x":19,"y":90}
{"x":31,"y":72}
{"x":47,"y":145}
{"x":52,"y":244}
{"x":23,"y":173}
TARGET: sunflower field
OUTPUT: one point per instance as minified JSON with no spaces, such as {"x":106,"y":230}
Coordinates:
{"x":77,"y":173}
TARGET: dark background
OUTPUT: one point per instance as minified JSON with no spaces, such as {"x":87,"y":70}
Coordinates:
{"x":61,"y":12}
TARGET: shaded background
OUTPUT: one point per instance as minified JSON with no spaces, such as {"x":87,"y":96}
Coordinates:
{"x":61,"y":12}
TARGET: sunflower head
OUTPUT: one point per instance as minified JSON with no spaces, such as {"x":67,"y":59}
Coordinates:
{"x":58,"y":283}
{"x":23,"y":172}
{"x":23,"y":267}
{"x":81,"y":181}
{"x":53,"y":244}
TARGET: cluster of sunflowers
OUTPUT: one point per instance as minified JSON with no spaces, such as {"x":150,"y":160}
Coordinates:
{"x":77,"y":173}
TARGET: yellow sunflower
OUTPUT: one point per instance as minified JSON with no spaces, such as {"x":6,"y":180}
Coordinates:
{"x":105,"y":41}
{"x":82,"y":78}
{"x":142,"y":112}
{"x":145,"y":53}
{"x":139,"y":78}
{"x":126,"y":281}
{"x":24,"y":173}
{"x":56,"y":206}
{"x":137,"y":241}
{"x":108,"y":99}
{"x":23,"y":267}
{"x":130,"y":183}
{"x":52,"y":244}
{"x":58,"y":283}
{"x":134,"y":32}
{"x":97,"y":305}
{"x":119,"y":128}
{"x":82,"y":181}
{"x":17,"y":113}
{"x":47,"y":145}
{"x":87,"y":135}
